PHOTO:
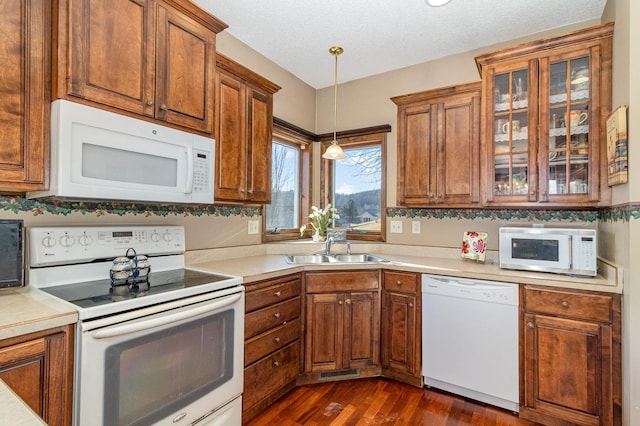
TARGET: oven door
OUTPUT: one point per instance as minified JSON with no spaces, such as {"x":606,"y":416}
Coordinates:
{"x":180,"y":361}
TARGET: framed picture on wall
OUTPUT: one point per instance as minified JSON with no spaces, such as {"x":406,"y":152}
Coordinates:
{"x":617,"y":163}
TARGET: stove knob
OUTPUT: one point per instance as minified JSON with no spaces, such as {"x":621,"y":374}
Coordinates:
{"x":155,"y":237}
{"x":167,"y":237}
{"x":66,"y":240}
{"x":49,"y":241}
{"x":84,"y":240}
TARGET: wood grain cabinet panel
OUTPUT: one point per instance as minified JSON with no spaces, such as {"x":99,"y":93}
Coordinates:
{"x":272,"y":345}
{"x":38,"y":367}
{"x":155,"y":59}
{"x":243,"y":131}
{"x":571,"y":362}
{"x":401,"y":320}
{"x":25,"y":28}
{"x":438,"y":146}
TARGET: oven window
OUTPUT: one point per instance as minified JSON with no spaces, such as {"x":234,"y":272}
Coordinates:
{"x":148,"y":378}
{"x":538,"y":249}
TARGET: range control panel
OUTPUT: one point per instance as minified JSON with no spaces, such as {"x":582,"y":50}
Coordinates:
{"x":66,"y":245}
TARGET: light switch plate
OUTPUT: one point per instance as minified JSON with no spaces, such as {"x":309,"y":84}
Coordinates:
{"x":415,"y":227}
{"x":253,"y":227}
{"x":396,"y":227}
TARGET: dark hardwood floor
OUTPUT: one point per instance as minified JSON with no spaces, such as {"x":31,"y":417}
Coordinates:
{"x":380,"y":402}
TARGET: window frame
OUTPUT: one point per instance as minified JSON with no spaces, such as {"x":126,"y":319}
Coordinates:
{"x":352,"y":139}
{"x":291,"y":135}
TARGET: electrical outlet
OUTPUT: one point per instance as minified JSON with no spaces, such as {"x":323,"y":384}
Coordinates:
{"x":396,"y":227}
{"x":415,"y":227}
{"x":254,"y":227}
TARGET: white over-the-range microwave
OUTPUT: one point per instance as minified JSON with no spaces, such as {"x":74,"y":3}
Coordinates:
{"x":569,"y":251}
{"x":100,"y":155}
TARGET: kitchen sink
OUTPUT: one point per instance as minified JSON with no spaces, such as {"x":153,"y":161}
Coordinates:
{"x":309,"y":258}
{"x":333,"y":258}
{"x":359,"y":257}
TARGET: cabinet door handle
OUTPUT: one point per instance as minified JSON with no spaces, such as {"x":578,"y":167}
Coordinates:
{"x":276,"y":339}
{"x":348,"y":301}
{"x":532,"y":193}
{"x":149,"y":103}
{"x":276,"y":315}
{"x":164,"y":107}
{"x":339,"y":302}
{"x":531,"y":325}
{"x":410,"y":305}
{"x":430,"y":195}
{"x":276,"y":364}
{"x":277,"y":294}
{"x":565,"y":304}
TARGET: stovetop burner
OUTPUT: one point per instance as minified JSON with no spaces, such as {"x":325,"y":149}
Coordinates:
{"x":95,"y":293}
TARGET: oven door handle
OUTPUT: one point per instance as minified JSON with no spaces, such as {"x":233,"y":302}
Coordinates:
{"x":136,"y":326}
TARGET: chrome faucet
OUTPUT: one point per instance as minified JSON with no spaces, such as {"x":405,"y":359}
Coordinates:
{"x":327,"y":245}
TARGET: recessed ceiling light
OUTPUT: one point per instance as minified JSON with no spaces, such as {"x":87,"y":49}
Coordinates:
{"x":436,"y":3}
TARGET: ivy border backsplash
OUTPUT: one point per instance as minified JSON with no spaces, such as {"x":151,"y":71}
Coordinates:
{"x":619,"y":213}
{"x":64,"y":208}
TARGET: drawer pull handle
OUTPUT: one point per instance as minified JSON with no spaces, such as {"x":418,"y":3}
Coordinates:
{"x":530,"y":325}
{"x":276,"y":315}
{"x":277,"y":294}
{"x":277,"y":340}
{"x":399,"y":283}
{"x":276,"y":363}
{"x":565,"y":304}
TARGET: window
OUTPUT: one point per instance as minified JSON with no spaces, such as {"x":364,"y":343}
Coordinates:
{"x":356,"y":186}
{"x":290,"y":165}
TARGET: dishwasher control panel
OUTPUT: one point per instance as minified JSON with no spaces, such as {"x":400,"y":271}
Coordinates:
{"x":489,"y":291}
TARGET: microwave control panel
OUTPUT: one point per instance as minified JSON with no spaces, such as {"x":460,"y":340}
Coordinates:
{"x":202,"y":171}
{"x":584,"y":252}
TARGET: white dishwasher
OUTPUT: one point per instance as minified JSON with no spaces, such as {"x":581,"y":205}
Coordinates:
{"x":470,"y":338}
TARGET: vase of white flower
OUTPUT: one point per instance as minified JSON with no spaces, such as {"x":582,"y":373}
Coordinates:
{"x":321,"y":219}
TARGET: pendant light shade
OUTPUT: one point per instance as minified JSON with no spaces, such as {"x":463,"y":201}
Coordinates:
{"x":437,"y":3}
{"x":334,"y":152}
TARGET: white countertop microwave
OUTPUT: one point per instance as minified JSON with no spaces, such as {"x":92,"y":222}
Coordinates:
{"x":571,"y":251}
{"x":100,"y":155}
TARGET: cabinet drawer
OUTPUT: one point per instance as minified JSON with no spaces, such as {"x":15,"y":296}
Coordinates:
{"x":270,"y":374}
{"x":270,"y":341}
{"x":318,"y":282}
{"x":263,"y":319}
{"x":401,"y":282}
{"x":269,"y":295}
{"x":592,"y":307}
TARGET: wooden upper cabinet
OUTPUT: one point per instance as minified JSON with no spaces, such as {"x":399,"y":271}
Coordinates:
{"x":151,"y":58}
{"x":25,"y":91}
{"x":243,"y":132}
{"x":545,"y":106}
{"x":438,"y":146}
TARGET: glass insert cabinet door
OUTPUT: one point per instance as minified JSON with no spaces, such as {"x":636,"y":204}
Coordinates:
{"x":511,"y":150}
{"x":568,"y":141}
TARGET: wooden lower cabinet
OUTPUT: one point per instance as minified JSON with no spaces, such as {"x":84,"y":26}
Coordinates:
{"x":38,"y":367}
{"x":272,"y":347}
{"x":342,"y":324}
{"x":401,"y":321}
{"x":571,"y":357}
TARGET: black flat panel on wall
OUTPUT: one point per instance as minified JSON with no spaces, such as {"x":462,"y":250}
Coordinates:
{"x":11,"y":253}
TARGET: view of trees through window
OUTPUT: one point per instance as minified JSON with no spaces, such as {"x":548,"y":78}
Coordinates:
{"x":357,"y":190}
{"x":283,"y":212}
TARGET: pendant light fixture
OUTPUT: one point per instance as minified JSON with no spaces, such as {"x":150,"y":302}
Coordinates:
{"x":436,"y":3}
{"x":333,"y":151}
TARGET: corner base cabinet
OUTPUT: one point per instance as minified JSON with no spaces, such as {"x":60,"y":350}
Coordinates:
{"x":571,"y":349}
{"x":272,"y":342}
{"x":38,"y":367}
{"x":342,"y":325}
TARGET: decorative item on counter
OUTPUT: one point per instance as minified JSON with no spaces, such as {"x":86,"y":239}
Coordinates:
{"x":130,"y":269}
{"x":321,"y":219}
{"x":474,"y":245}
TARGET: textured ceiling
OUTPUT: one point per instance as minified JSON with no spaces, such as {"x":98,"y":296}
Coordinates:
{"x":383,"y":35}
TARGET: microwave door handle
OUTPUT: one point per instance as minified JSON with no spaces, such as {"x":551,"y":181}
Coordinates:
{"x":571,"y":251}
{"x":136,"y":326}
{"x":188,"y":188}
